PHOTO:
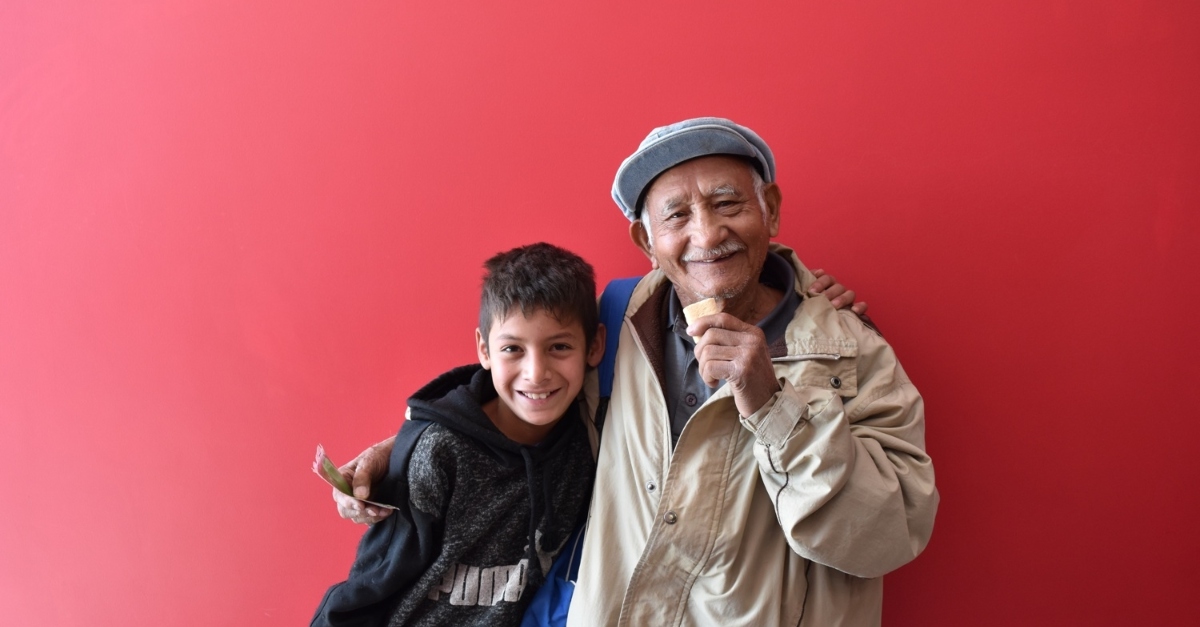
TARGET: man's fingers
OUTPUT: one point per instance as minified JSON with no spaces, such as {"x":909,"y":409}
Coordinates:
{"x":721,"y":321}
{"x":363,"y":471}
{"x":353,"y":509}
{"x":362,"y":485}
{"x":368,"y":468}
{"x":716,"y":370}
{"x":348,"y":506}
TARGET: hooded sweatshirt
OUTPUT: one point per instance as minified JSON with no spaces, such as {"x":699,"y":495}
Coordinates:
{"x":480,"y":517}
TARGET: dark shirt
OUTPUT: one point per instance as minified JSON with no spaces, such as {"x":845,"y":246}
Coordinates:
{"x":685,"y":389}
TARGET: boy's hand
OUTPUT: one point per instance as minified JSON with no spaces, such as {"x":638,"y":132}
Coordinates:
{"x":362,"y":471}
{"x":838,"y":295}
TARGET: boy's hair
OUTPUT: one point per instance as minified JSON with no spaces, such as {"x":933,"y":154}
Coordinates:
{"x":539,"y":277}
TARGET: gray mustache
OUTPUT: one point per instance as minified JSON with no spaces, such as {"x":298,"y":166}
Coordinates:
{"x":725,"y":248}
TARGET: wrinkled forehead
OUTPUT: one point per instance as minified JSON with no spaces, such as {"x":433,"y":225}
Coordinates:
{"x":708,"y":176}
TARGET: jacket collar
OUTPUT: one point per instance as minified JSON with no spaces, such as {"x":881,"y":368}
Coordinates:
{"x":814,"y":330}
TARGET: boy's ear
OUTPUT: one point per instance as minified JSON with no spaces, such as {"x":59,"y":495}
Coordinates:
{"x":481,"y":349}
{"x":596,"y":350}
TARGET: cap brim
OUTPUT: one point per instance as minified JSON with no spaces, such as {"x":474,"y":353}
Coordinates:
{"x":641,"y":168}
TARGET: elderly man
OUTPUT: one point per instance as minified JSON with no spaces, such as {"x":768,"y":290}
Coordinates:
{"x":762,"y":465}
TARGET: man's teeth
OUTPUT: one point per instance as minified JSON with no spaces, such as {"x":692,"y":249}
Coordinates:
{"x":536,"y":396}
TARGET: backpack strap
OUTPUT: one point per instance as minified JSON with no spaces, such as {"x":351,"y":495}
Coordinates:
{"x":613,"y":303}
{"x":550,"y":603}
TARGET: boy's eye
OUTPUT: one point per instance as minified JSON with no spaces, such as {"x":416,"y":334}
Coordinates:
{"x":509,"y":348}
{"x":561,"y":347}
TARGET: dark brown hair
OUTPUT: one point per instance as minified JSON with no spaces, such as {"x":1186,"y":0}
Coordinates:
{"x":539,"y":277}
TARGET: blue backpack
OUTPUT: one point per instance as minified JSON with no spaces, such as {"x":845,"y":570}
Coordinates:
{"x":551,"y":602}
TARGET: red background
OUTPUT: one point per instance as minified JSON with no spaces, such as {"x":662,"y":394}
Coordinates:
{"x":232,"y":230}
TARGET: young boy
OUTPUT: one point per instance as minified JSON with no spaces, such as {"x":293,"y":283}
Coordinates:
{"x":493,"y":468}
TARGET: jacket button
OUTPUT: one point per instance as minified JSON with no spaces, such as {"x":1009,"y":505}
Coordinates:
{"x":690,"y":399}
{"x":670,"y":518}
{"x":835,"y":382}
{"x":651,"y":486}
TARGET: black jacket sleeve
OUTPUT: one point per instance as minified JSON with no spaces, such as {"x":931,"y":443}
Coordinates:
{"x":393,"y":553}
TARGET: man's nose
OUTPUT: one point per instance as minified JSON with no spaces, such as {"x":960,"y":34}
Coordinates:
{"x":707,"y":230}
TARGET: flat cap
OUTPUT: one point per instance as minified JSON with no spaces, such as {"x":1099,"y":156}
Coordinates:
{"x":668,"y":146}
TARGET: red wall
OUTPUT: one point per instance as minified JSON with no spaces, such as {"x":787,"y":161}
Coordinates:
{"x":232,"y":230}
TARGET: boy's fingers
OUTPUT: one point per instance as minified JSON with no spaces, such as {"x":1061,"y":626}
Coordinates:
{"x":859,"y":308}
{"x":823,"y":282}
{"x":844,"y":299}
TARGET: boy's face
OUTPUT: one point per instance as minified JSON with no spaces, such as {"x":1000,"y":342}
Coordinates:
{"x":537,"y":365}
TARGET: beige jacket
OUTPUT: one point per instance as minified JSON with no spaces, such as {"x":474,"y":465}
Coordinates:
{"x":788,"y":517}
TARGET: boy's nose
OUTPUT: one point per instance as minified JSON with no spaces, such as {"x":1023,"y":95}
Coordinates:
{"x":535,"y":368}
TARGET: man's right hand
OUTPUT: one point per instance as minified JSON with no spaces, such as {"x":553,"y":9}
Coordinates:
{"x":362,"y":471}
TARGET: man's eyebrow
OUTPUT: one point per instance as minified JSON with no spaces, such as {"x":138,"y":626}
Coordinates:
{"x":724,"y":189}
{"x":670,"y":204}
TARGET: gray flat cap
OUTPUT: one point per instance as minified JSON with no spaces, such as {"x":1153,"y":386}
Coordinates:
{"x":668,"y":146}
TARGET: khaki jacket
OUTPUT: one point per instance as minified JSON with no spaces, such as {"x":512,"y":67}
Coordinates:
{"x":790,"y":516}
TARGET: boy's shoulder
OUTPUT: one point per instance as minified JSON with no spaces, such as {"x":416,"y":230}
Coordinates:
{"x":435,"y":442}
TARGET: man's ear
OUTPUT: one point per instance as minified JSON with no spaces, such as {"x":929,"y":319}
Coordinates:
{"x":637,"y":233}
{"x":774,"y":199}
{"x":481,"y":349}
{"x":596,"y":350}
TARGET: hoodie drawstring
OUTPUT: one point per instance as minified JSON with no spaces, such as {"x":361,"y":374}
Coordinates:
{"x":530,"y":480}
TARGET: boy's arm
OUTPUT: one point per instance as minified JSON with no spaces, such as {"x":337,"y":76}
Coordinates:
{"x":396,"y":552}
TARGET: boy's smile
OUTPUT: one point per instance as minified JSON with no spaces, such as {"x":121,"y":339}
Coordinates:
{"x":537,"y":364}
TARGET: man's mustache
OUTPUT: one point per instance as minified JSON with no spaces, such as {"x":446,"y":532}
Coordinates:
{"x":727,"y":247}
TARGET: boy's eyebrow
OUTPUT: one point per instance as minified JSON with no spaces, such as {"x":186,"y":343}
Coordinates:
{"x":557,"y":336}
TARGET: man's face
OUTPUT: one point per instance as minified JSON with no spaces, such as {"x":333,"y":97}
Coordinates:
{"x":710,"y":230}
{"x":537,"y":364}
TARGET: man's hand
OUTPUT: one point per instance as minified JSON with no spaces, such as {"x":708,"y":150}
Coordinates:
{"x":362,"y":471}
{"x":838,"y":295}
{"x":732,"y":350}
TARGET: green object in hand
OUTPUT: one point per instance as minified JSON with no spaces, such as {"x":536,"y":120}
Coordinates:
{"x":335,"y":477}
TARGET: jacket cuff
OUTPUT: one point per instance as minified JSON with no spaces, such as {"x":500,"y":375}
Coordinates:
{"x":775,"y":421}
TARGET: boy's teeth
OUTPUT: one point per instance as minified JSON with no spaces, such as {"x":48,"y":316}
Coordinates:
{"x":536,"y":396}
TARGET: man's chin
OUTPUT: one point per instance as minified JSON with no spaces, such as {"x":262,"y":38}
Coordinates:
{"x":719,"y":292}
